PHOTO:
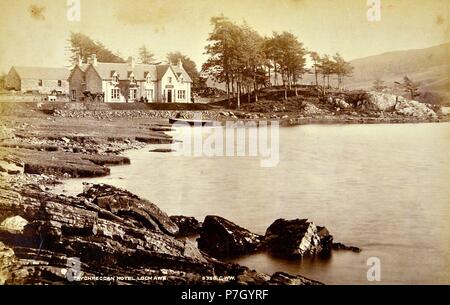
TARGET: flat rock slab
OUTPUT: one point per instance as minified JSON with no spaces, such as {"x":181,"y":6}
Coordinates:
{"x":126,"y":204}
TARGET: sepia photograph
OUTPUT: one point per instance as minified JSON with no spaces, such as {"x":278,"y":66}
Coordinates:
{"x":223,"y":143}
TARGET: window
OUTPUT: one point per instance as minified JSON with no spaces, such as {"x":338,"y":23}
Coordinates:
{"x":40,"y":83}
{"x":59,"y":83}
{"x":74,"y":95}
{"x":181,"y":94}
{"x":169,"y":79}
{"x":132,"y":94}
{"x":115,"y":94}
{"x":149,"y":94}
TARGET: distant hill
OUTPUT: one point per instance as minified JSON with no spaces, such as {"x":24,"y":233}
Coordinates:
{"x":430,"y":67}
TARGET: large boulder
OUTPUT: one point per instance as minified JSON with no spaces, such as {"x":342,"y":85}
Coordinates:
{"x":380,"y":101}
{"x":415,"y":109}
{"x":297,"y":238}
{"x":14,"y":224}
{"x":221,"y":238}
{"x":188,"y":226}
{"x":342,"y":103}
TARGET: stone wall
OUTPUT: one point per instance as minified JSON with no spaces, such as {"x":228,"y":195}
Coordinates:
{"x":93,"y":81}
{"x":29,"y":97}
{"x":47,"y":86}
{"x":77,"y":83}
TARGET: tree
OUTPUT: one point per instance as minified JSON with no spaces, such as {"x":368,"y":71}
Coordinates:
{"x":410,"y":87}
{"x":221,"y":51}
{"x":270,"y":51}
{"x":378,"y":85}
{"x":83,"y":46}
{"x":239,"y":56}
{"x":254,"y":58}
{"x":289,"y":54}
{"x":146,"y":56}
{"x":342,"y":69}
{"x":190,"y":67}
{"x":327,"y":68}
{"x":316,"y":64}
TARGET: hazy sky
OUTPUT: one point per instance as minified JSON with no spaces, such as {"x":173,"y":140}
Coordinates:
{"x":35,"y":32}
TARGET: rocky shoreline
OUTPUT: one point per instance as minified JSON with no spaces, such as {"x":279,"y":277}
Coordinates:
{"x":119,"y":238}
{"x":309,"y":107}
{"x":113,"y":237}
{"x":309,"y":115}
{"x":286,"y":119}
{"x":113,"y":232}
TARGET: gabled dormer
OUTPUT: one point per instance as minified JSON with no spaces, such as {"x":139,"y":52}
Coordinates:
{"x":131,"y":77}
{"x":114,"y":77}
{"x":148,"y":77}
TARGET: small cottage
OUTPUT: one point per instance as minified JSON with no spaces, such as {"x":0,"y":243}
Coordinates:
{"x":38,"y":80}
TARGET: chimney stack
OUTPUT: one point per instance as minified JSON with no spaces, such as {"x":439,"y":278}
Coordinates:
{"x":131,"y":62}
{"x":180,"y":63}
{"x":93,"y":60}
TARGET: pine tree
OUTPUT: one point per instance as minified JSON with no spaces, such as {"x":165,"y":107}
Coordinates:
{"x":378,"y":85}
{"x":83,"y":46}
{"x":146,"y":56}
{"x":410,"y":87}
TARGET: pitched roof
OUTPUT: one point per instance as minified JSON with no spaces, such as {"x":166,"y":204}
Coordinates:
{"x":83,"y":67}
{"x":42,"y":73}
{"x":140,"y":71}
{"x":183,"y":72}
{"x":106,"y":70}
{"x":161,"y":70}
{"x":176,"y":70}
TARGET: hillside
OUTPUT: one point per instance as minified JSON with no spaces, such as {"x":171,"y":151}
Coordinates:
{"x":430,"y":67}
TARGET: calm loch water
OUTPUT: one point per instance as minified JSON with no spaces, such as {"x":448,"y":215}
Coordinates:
{"x":383,"y":188}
